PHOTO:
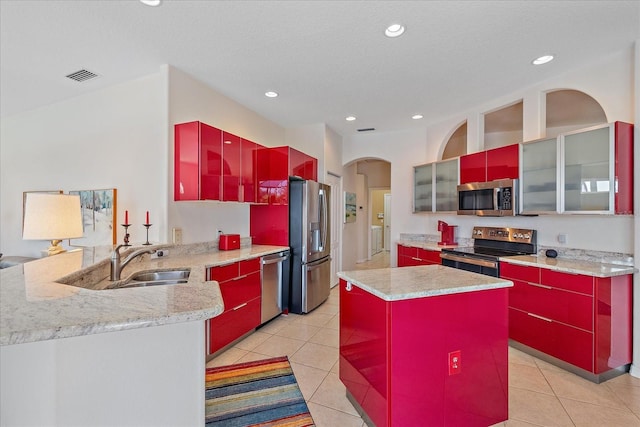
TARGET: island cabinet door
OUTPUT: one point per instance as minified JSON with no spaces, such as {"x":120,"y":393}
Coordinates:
{"x":427,"y":389}
{"x":364,"y":351}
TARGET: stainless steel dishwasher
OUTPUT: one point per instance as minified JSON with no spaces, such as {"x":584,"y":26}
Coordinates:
{"x":275,"y":276}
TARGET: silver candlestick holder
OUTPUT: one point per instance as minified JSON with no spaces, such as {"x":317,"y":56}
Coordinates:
{"x":126,"y":234}
{"x":147,"y":227}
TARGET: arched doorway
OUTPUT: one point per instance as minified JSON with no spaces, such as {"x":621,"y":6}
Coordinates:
{"x":369,"y":179}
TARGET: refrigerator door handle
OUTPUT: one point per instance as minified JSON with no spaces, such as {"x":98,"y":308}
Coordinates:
{"x":313,"y":264}
{"x":323,"y":219}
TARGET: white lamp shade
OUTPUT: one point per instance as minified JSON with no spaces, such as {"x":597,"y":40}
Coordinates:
{"x":52,"y":217}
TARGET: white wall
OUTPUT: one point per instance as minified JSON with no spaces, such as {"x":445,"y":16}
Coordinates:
{"x":350,"y":235}
{"x":189,"y":100}
{"x":362,"y":217}
{"x":332,"y":153}
{"x":378,"y":173}
{"x":112,"y":138}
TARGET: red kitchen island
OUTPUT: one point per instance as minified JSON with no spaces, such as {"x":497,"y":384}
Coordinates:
{"x":425,"y":345}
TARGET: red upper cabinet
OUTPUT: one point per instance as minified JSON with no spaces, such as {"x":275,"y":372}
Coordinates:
{"x":197,"y":162}
{"x":302,"y":165}
{"x":231,"y":163}
{"x":503,"y":162}
{"x":473,"y":167}
{"x":281,"y":163}
{"x":623,"y":150}
{"x":497,"y":163}
{"x":249,"y":170}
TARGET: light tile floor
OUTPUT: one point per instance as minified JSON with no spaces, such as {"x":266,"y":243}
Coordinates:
{"x":540,"y":394}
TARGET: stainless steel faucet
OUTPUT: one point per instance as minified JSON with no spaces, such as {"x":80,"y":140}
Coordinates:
{"x":117,"y":265}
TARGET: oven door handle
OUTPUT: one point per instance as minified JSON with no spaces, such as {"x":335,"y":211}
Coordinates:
{"x":475,"y":261}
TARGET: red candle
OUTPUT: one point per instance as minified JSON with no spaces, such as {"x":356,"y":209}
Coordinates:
{"x":147,"y":218}
{"x":126,"y":217}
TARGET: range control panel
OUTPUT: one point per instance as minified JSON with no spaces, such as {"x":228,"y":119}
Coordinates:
{"x":504,"y":234}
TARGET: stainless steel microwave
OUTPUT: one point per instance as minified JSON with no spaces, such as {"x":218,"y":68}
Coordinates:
{"x":495,"y":198}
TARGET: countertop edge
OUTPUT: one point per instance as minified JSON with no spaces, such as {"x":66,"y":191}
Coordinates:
{"x":99,"y":328}
{"x":617,"y":269}
{"x":426,"y":293}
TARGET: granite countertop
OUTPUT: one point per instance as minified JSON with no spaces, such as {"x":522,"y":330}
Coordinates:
{"x":588,"y":268}
{"x":393,"y":284}
{"x":35,"y":306}
{"x":430,"y":245}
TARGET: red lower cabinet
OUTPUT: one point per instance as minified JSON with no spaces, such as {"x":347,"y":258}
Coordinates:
{"x":582,"y":320}
{"x":410,"y":255}
{"x":241,"y":287}
{"x":233,"y":323}
{"x":396,"y":357}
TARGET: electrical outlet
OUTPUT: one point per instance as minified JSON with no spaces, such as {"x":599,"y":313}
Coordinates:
{"x":160,"y":253}
{"x":455,"y":362}
{"x":177,"y":236}
{"x":562,"y":238}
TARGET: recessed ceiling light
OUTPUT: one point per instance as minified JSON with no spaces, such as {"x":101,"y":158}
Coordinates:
{"x":417,"y":116}
{"x":271,"y":94}
{"x":350,"y":118}
{"x":542,"y":60}
{"x":151,"y":2}
{"x":394,"y":30}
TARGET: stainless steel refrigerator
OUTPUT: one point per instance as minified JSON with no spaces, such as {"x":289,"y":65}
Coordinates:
{"x":309,"y":237}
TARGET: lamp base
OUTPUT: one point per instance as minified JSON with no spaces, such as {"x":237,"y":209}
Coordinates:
{"x":55,"y":248}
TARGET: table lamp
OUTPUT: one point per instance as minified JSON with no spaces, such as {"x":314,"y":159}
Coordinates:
{"x":52,"y":217}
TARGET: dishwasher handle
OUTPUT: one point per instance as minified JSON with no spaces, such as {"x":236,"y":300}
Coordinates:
{"x":273,"y":259}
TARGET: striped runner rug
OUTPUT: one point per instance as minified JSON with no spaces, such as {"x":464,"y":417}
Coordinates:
{"x":261,"y":393}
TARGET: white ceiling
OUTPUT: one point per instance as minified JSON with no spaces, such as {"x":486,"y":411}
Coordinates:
{"x":327,"y":59}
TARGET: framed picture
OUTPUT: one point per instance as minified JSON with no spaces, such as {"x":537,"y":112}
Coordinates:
{"x":349,"y":207}
{"x":99,"y":217}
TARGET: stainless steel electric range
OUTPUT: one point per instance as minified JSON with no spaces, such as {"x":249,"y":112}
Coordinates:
{"x":489,"y":244}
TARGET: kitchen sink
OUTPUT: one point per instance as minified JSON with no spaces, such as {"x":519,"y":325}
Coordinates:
{"x":159,"y":276}
{"x":154,"y":278}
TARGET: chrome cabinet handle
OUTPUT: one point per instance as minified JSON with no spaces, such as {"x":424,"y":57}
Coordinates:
{"x":240,"y":306}
{"x":540,"y":317}
{"x":537,"y":285}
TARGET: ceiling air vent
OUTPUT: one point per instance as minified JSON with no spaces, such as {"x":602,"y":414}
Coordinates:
{"x":82,"y":75}
{"x":366,"y":129}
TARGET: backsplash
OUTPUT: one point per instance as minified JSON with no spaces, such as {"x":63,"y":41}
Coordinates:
{"x":569,"y":253}
{"x":432,"y":238}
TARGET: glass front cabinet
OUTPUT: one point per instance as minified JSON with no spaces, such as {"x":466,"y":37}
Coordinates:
{"x":597,"y":170}
{"x":423,"y":188}
{"x":540,"y":177}
{"x":586,"y":171}
{"x":435,"y":186}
